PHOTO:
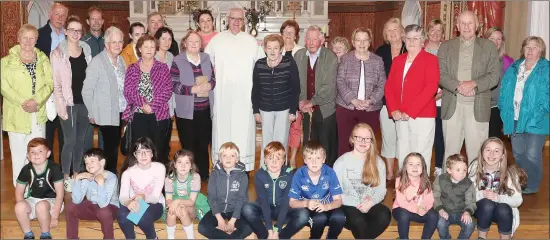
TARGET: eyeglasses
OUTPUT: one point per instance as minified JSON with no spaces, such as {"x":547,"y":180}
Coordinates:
{"x":116,"y":42}
{"x":73,"y":31}
{"x":236,"y":19}
{"x":413,"y":40}
{"x":362,"y":139}
{"x":143,"y":153}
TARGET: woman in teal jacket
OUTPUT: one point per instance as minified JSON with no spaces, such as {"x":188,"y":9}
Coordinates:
{"x":524,"y":108}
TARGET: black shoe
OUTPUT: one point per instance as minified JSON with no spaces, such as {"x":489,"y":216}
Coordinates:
{"x":46,"y":237}
{"x":29,"y":237}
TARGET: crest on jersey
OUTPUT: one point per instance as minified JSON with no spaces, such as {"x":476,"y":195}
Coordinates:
{"x":282,"y":184}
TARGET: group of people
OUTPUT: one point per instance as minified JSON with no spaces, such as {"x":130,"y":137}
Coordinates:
{"x":416,"y":89}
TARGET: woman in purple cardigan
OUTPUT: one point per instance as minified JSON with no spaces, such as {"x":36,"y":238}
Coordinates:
{"x":194,"y":99}
{"x":360,"y":88}
{"x":147,"y":89}
{"x":496,"y":35}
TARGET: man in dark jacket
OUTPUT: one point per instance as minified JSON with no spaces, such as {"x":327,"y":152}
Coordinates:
{"x":49,"y":36}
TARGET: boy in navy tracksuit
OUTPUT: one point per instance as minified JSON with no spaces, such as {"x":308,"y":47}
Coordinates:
{"x":227,"y":192}
{"x":273,"y":183}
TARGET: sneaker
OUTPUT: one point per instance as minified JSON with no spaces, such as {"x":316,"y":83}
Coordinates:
{"x":437,"y":171}
{"x":529,"y":191}
{"x":68,"y":184}
{"x":29,"y":236}
{"x":46,"y":236}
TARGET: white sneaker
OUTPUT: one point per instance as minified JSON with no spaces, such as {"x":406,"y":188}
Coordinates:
{"x":437,"y":171}
{"x":68,"y":184}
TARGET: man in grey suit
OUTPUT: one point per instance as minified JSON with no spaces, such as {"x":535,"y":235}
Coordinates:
{"x":469,"y":69}
{"x":318,"y":67}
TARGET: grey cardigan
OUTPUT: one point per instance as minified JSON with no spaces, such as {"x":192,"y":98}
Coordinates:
{"x":486,"y":70}
{"x":325,"y":79}
{"x":100,"y":91}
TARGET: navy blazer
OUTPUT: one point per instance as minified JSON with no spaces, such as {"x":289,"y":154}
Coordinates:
{"x":44,"y":41}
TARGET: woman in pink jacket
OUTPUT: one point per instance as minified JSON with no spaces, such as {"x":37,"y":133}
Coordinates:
{"x":414,"y":199}
{"x":69,"y":62}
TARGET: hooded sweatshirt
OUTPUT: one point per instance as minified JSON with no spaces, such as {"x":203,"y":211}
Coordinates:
{"x":228,"y":191}
{"x":273,"y":193}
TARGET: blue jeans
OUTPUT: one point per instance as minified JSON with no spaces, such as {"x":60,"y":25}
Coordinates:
{"x":466,"y":230}
{"x":404,"y":218}
{"x":146,"y":223}
{"x":335,"y":219}
{"x":527,"y":149}
{"x":296,"y":219}
{"x":488,"y":212}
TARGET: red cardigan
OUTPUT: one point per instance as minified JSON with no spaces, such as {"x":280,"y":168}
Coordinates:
{"x":420,"y":86}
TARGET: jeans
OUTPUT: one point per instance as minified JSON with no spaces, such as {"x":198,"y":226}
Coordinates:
{"x":439,"y":141}
{"x":466,"y":230}
{"x":527,"y":149}
{"x":208,"y":224}
{"x":335,"y":219}
{"x":367,"y":225}
{"x":87,"y":210}
{"x":296,"y":219}
{"x":74,"y":132}
{"x":146,"y":223}
{"x":404,"y":218}
{"x":501,"y":213}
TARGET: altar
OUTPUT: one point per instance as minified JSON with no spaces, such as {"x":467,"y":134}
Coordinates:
{"x":178,"y":15}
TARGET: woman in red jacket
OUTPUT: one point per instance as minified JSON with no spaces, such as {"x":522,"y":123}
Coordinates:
{"x":410,"y":90}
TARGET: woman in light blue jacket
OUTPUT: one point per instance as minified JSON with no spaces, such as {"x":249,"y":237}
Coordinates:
{"x":524,"y":108}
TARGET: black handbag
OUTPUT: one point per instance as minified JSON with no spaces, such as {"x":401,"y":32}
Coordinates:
{"x":126,"y":140}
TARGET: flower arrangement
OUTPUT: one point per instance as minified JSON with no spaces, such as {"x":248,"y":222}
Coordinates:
{"x":252,"y":16}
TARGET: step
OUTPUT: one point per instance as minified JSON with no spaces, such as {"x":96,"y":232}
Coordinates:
{"x":92,"y":230}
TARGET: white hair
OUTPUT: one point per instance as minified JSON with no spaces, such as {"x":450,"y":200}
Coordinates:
{"x":110,"y":31}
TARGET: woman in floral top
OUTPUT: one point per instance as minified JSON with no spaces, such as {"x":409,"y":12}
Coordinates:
{"x":147,"y":89}
{"x":524,"y":108}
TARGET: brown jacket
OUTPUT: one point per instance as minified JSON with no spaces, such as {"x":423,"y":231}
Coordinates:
{"x":485,"y":71}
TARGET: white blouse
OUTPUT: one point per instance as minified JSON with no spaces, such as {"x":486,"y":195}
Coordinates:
{"x":522,"y":77}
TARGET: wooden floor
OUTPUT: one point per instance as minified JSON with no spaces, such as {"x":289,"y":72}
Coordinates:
{"x":534,"y":211}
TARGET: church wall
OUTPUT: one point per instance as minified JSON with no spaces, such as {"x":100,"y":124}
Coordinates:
{"x":10,"y":21}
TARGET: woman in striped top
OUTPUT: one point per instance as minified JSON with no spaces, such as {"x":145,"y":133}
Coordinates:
{"x":275,"y":92}
{"x":193,"y":80}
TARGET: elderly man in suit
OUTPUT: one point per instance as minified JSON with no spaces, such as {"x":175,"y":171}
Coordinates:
{"x":49,"y":36}
{"x":318,"y":67}
{"x":469,"y":68}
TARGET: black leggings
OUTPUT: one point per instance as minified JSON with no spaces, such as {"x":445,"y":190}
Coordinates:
{"x":367,"y":225}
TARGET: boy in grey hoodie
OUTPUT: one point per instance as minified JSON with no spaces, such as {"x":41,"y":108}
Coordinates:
{"x":227,"y":193}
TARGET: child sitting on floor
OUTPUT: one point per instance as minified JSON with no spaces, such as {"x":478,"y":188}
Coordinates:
{"x":95,"y":196}
{"x":316,"y":190}
{"x":455,"y":198}
{"x":44,"y":197}
{"x":227,"y":193}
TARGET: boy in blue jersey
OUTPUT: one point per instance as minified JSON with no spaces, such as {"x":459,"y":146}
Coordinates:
{"x":315,"y":187}
{"x":272,"y":186}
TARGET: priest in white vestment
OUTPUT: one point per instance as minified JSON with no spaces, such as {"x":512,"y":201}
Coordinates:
{"x":233,"y":54}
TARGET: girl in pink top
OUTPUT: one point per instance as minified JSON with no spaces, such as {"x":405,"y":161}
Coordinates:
{"x":414,"y":198}
{"x":142,"y":179}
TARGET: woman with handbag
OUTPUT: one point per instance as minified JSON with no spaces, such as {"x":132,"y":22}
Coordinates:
{"x":26,"y":85}
{"x":103,"y":94}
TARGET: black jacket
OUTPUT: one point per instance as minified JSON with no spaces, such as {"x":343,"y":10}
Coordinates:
{"x":44,"y":41}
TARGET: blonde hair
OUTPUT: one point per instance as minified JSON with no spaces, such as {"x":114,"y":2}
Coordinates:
{"x":27,"y":28}
{"x":189,"y":33}
{"x":393,"y":20}
{"x":229,"y":146}
{"x":371,"y":176}
{"x":454,"y":159}
{"x":344,"y":41}
{"x":314,"y":147}
{"x":539,"y":41}
{"x":435,"y":22}
{"x":490,"y":32}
